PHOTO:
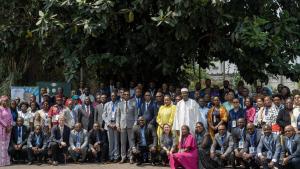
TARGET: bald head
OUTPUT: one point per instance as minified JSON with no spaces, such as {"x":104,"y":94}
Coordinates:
{"x":250,"y":128}
{"x":289,"y":131}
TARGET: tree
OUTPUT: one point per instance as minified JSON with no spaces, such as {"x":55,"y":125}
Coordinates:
{"x":157,"y":39}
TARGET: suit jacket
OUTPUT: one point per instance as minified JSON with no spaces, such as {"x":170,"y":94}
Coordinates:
{"x":272,"y":145}
{"x":32,"y":141}
{"x":83,"y":138}
{"x":126,"y":119}
{"x":14,"y":135}
{"x":149,"y":133}
{"x":149,"y":114}
{"x":248,"y":141}
{"x":295,"y":145}
{"x":237,"y":135}
{"x":108,"y":113}
{"x":227,"y":145}
{"x":98,"y":114}
{"x":86,"y":120}
{"x":102,"y":137}
{"x":56,"y":136}
{"x":138,"y":105}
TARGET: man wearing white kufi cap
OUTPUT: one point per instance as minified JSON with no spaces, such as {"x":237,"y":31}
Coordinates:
{"x":187,"y":112}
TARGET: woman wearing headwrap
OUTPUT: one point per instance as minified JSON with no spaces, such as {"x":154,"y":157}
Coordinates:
{"x":5,"y":130}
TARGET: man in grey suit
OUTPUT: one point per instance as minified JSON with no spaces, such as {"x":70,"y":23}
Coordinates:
{"x":290,"y":154}
{"x":222,"y":147}
{"x":99,"y":109}
{"x":238,"y":135}
{"x":250,"y":148}
{"x":126,"y":118}
{"x":109,"y":117}
{"x":86,"y":114}
{"x":78,"y":143}
{"x":269,"y":148}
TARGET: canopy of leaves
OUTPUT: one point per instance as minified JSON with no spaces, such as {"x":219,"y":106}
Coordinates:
{"x":152,"y":39}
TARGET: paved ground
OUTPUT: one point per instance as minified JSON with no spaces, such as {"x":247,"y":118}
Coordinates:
{"x":85,"y":166}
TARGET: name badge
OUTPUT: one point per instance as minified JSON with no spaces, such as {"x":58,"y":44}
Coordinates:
{"x":299,"y":123}
{"x":252,"y":150}
{"x":214,"y":119}
{"x":233,"y":123}
{"x":19,"y":140}
{"x":269,"y":155}
{"x":222,"y":150}
{"x":78,"y":145}
{"x":241,"y":144}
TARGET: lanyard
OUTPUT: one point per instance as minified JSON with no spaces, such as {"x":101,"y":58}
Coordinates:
{"x":37,"y":141}
{"x":138,"y":102}
{"x":222,"y":140}
{"x":77,"y":138}
{"x":113,"y":106}
{"x":252,"y":138}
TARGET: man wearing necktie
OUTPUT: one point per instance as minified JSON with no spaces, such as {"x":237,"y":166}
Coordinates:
{"x":109,"y":116}
{"x":222,"y":148}
{"x":86,"y":114}
{"x":125,"y":119}
{"x":148,"y":111}
{"x":59,"y":140}
{"x":36,"y":145}
{"x":290,"y":154}
{"x":18,"y":143}
{"x":78,"y":143}
{"x":138,"y":99}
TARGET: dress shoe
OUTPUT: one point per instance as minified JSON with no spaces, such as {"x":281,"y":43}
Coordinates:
{"x":122,"y":161}
{"x":55,"y":163}
{"x":29,"y":163}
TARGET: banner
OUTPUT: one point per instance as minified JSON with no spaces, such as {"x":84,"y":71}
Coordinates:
{"x":24,"y":92}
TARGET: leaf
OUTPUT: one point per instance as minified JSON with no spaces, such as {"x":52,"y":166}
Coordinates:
{"x":41,"y":13}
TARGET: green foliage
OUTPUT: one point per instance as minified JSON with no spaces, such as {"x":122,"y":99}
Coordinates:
{"x":147,"y":39}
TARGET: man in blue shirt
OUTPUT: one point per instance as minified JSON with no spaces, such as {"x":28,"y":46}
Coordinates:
{"x":145,"y":141}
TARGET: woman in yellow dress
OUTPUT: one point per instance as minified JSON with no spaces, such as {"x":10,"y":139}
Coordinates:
{"x":165,"y":115}
{"x":216,"y":116}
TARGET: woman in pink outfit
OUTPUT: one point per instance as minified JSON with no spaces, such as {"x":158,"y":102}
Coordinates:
{"x":5,"y":129}
{"x":250,"y":110}
{"x":187,"y":156}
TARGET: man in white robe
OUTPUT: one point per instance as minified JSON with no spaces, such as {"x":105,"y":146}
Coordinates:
{"x":187,"y":113}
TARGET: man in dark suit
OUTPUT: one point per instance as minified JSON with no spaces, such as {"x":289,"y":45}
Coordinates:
{"x":97,"y":143}
{"x":36,"y":145}
{"x":86,"y":114}
{"x":148,"y":109}
{"x":238,"y":136}
{"x":290,"y":154}
{"x":250,"y":148}
{"x":18,"y":142}
{"x":59,"y":140}
{"x":138,"y":99}
{"x":144,"y":141}
{"x":268,"y":150}
{"x":221,"y":149}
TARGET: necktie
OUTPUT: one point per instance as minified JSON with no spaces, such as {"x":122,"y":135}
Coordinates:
{"x":88,"y":110}
{"x":147,"y":104}
{"x":37,"y":140}
{"x":19,"y":131}
{"x":126,"y":107}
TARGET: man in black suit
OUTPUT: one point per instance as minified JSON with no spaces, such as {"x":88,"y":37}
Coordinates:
{"x":18,"y":142}
{"x":144,"y":141}
{"x":238,"y":135}
{"x":148,"y":109}
{"x":36,"y":145}
{"x":98,"y":144}
{"x":59,"y":140}
{"x":290,"y":154}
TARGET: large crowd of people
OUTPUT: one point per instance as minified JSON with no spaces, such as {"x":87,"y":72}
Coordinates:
{"x":204,"y":128}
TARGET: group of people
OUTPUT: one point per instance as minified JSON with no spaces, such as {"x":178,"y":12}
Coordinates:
{"x":205,"y":128}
